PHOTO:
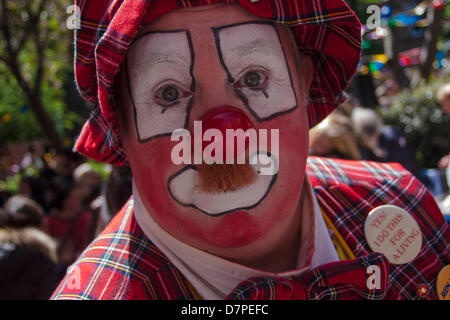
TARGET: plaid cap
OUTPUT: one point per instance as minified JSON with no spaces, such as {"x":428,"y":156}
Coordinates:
{"x":327,"y":30}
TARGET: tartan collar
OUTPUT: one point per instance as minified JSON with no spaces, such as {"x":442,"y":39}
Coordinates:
{"x":317,"y":250}
{"x":346,"y":280}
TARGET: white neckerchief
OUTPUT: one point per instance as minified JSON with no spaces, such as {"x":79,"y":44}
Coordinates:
{"x":214,"y":277}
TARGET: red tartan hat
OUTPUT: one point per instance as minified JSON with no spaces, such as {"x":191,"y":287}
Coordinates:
{"x":327,"y":30}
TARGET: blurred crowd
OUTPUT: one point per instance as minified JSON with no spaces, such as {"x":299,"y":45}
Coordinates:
{"x":56,"y":214}
{"x":357,"y":133}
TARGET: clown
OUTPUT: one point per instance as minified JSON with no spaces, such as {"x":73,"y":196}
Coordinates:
{"x":214,"y":228}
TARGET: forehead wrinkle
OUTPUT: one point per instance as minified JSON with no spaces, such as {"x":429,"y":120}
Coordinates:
{"x":259,"y":46}
{"x":152,"y":59}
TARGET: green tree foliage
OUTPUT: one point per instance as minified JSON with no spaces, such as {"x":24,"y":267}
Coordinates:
{"x":44,"y":59}
{"x":420,"y":116}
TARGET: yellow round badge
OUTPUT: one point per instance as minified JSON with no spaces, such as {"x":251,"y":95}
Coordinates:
{"x":443,"y":283}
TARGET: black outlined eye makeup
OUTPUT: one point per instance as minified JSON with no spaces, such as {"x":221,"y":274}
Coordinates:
{"x":161,"y":82}
{"x":252,"y":55}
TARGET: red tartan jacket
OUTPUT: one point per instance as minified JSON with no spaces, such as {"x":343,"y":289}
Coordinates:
{"x":122,"y":263}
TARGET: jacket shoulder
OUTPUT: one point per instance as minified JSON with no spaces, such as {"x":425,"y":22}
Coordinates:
{"x":326,"y":171}
{"x":347,"y":191}
{"x":121,"y":264}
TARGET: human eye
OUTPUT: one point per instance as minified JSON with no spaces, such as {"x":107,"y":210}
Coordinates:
{"x":170,"y":94}
{"x":254,"y":79}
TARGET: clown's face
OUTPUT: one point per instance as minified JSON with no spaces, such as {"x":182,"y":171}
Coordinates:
{"x":216,"y":60}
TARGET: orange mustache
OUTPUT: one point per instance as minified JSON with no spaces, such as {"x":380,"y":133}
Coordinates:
{"x":216,"y":178}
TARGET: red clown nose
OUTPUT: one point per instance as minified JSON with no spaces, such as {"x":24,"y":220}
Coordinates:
{"x":223,"y":118}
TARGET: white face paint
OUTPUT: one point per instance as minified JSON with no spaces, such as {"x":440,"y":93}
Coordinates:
{"x":252,"y":55}
{"x":161,"y":86}
{"x":161,"y":82}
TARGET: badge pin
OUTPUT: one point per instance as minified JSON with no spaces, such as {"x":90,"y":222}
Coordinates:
{"x":392,"y":231}
{"x":443,"y":283}
{"x":422,"y":290}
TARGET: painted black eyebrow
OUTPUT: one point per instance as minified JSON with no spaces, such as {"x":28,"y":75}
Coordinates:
{"x":193,"y":83}
{"x":139,"y":37}
{"x":216,"y":32}
{"x":190,"y":43}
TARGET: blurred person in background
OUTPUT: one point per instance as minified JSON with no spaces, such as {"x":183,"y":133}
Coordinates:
{"x":67,"y":222}
{"x":334,"y":137}
{"x":89,"y":183}
{"x":118,"y":188}
{"x":66,"y":162}
{"x":4,"y":196}
{"x":386,"y":92}
{"x":443,"y":97}
{"x":381,"y":143}
{"x":116,"y":191}
{"x":32,"y":158}
{"x":34,"y":188}
{"x":28,"y":256}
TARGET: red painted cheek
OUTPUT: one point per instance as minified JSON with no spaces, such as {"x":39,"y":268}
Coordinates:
{"x":152,"y":166}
